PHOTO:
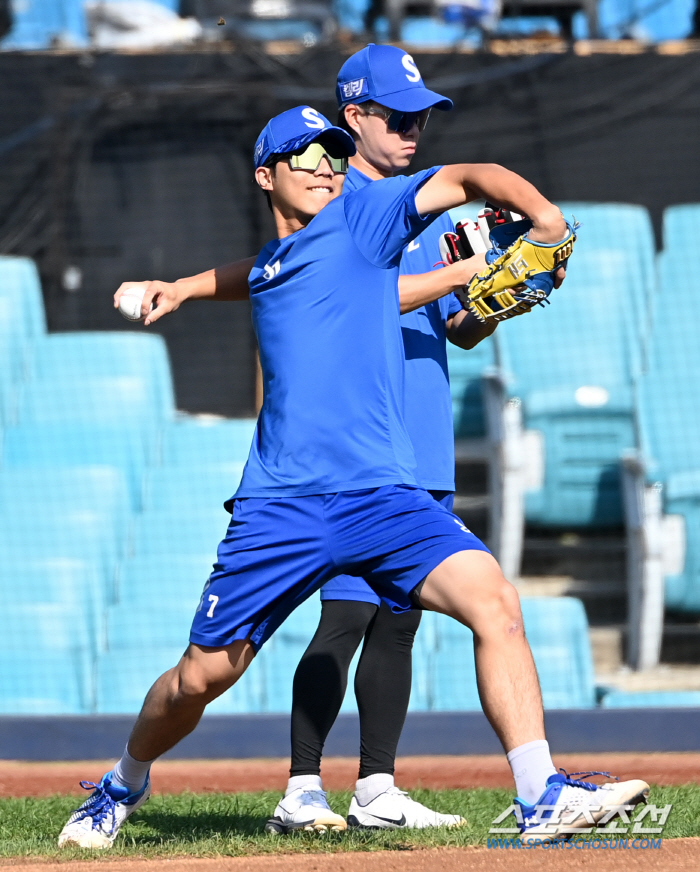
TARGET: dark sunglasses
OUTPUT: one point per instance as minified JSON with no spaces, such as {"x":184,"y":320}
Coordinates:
{"x":400,"y":122}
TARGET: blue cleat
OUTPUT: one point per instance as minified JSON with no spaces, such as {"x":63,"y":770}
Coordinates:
{"x":570,"y":806}
{"x":97,"y":822}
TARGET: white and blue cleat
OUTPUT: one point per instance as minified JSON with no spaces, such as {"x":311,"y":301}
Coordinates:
{"x":569,"y":806}
{"x":97,"y":822}
{"x":305,"y":808}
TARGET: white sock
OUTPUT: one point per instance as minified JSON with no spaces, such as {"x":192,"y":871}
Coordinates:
{"x":130,"y":773}
{"x":369,"y":788}
{"x":297,"y":781}
{"x":531,"y":765}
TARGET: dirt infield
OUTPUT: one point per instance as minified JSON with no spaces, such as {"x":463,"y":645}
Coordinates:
{"x":675,"y":854}
{"x":339,"y":773}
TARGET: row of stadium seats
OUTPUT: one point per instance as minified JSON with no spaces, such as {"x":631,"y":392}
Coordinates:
{"x":39,"y":23}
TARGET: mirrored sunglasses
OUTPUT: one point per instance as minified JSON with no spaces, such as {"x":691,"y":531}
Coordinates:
{"x":310,"y":159}
{"x":401,"y":122}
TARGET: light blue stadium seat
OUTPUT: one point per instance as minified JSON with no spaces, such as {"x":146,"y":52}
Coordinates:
{"x":196,"y":486}
{"x":168,"y":625}
{"x":466,"y":369}
{"x":71,"y":444}
{"x":176,"y":530}
{"x":78,"y":535}
{"x":668,"y":413}
{"x":681,"y":226}
{"x":557,"y":631}
{"x":652,"y":699}
{"x":151,"y":579}
{"x":46,"y":634}
{"x":572,"y":367}
{"x":34,"y":681}
{"x":104,"y":401}
{"x":20,"y":282}
{"x":71,"y":357}
{"x":621,"y":233}
{"x":207,"y":440}
{"x":125,"y":676}
{"x":66,"y":581}
{"x":36,"y":491}
{"x":38,"y":23}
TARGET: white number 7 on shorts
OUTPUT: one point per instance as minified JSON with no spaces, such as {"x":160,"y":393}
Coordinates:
{"x":213,"y":600}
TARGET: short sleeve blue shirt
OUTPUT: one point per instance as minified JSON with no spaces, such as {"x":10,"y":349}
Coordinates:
{"x":427,"y":401}
{"x":325,"y":312}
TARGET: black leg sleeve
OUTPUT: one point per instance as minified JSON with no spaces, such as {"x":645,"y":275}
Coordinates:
{"x":321,"y":679}
{"x":383,"y":687}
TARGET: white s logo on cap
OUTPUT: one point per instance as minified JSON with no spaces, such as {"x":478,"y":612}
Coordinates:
{"x":412,"y":75}
{"x":313,"y":119}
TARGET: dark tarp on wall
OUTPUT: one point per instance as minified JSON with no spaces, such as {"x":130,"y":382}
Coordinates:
{"x":139,"y":166}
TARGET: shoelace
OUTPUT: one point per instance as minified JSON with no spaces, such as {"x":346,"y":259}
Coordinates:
{"x":586,"y":785}
{"x":314,"y":796}
{"x":98,"y":806}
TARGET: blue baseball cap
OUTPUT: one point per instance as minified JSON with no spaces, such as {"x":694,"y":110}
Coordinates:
{"x":389,"y":76}
{"x":295,"y":128}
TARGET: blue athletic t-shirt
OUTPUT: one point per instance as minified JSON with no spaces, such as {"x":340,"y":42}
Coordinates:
{"x":325,"y":311}
{"x":427,"y":400}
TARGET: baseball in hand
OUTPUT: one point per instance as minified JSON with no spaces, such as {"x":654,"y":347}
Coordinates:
{"x":130,"y":304}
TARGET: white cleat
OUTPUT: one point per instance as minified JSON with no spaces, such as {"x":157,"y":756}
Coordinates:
{"x":96,"y":824}
{"x":570,"y":806}
{"x":395,"y":809}
{"x":305,"y":808}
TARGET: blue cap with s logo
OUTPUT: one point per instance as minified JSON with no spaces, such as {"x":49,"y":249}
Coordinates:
{"x":295,"y":128}
{"x":389,"y":76}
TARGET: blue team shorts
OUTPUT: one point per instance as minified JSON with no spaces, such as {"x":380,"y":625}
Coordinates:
{"x":350,"y":587}
{"x":279,"y":551}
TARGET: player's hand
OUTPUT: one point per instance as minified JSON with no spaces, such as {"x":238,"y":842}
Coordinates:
{"x":464,"y":270}
{"x":559,"y":277}
{"x":167,"y":297}
{"x":548,"y":226}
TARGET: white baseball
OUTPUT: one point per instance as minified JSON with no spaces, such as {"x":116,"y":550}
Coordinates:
{"x":130,"y":304}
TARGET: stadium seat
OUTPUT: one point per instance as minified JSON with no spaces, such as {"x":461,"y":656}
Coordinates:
{"x":680,"y":227}
{"x":67,"y":581}
{"x":34,"y":681}
{"x":106,"y":401}
{"x":39,"y":24}
{"x":150,"y":579}
{"x":557,"y":631}
{"x":36,"y":491}
{"x":652,"y":699}
{"x":71,"y":357}
{"x":79,"y":535}
{"x":662,"y":478}
{"x":125,"y":676}
{"x":20,"y":282}
{"x":207,"y":440}
{"x":572,"y":368}
{"x":175,"y":531}
{"x":196,"y":486}
{"x":165,"y":625}
{"x":59,"y":444}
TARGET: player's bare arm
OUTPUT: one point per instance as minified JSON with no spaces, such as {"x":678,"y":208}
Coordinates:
{"x":419,"y":290}
{"x":455,"y":185}
{"x":227,"y":283}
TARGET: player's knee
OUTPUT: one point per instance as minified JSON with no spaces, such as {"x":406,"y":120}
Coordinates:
{"x":198,"y":681}
{"x":498,"y":612}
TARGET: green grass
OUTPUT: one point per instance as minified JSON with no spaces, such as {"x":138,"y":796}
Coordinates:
{"x":218,"y":824}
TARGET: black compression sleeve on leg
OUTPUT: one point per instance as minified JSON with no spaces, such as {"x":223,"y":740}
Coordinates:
{"x":321,"y":679}
{"x":383,"y":687}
